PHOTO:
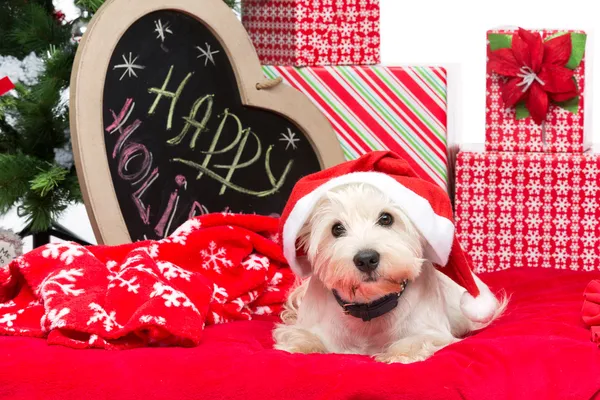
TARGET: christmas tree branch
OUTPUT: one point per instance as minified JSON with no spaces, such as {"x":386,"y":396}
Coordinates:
{"x":46,"y":181}
{"x":41,"y":211}
{"x":90,"y":5}
{"x":37,"y":29}
{"x":16,"y":170}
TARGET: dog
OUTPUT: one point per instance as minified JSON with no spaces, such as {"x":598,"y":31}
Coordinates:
{"x":363,"y":248}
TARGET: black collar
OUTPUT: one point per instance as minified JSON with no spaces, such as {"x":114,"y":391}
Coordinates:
{"x":377,"y":308}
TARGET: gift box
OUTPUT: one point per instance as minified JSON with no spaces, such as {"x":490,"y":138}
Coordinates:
{"x":313,"y":32}
{"x":517,"y":210}
{"x":536,"y":98}
{"x":402,"y":109}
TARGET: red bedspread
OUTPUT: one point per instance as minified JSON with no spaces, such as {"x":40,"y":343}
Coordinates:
{"x":540,"y":349}
{"x":213,"y":269}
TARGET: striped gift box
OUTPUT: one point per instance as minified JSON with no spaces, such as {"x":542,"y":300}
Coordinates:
{"x":402,"y":109}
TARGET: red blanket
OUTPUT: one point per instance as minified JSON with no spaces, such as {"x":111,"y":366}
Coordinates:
{"x":538,"y":350}
{"x":213,"y":269}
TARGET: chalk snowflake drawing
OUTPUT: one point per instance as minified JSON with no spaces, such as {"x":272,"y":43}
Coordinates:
{"x":129,"y":66}
{"x":100,"y":314}
{"x":290,"y":139}
{"x":162,"y":30}
{"x":214,"y":258}
{"x":207,"y":53}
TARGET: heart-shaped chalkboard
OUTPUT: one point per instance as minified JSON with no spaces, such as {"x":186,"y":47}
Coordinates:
{"x":181,"y":135}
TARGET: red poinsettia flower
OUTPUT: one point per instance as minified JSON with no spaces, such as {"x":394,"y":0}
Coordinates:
{"x":536,"y":72}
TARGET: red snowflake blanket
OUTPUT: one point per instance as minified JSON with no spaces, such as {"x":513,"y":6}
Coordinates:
{"x":213,"y":269}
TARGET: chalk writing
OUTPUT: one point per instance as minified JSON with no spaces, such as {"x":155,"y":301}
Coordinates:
{"x":236,"y":159}
{"x":121,"y":119}
{"x":171,"y":208}
{"x":130,"y":152}
{"x":143,"y":209}
{"x":197,"y":209}
{"x":174,"y":96}
{"x":191,"y":121}
{"x":182,"y":143}
{"x":275,"y":183}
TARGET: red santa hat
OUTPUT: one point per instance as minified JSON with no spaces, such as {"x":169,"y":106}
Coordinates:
{"x":426,"y":204}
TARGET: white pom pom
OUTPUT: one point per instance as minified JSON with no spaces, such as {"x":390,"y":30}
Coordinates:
{"x":481,"y":308}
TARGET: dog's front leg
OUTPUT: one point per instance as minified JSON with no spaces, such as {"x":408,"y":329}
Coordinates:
{"x":293,"y":339}
{"x":415,"y":348}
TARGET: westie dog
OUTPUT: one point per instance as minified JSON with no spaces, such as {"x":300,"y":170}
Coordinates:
{"x":364,"y":250}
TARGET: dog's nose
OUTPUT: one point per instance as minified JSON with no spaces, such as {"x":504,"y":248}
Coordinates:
{"x":366,"y":260}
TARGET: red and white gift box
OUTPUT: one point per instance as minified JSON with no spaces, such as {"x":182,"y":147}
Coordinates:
{"x":402,"y":109}
{"x":313,"y":32}
{"x":517,"y":210}
{"x":563,"y":130}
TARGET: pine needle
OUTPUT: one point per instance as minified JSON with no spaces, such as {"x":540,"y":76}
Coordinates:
{"x":36,"y":29}
{"x":46,"y":181}
{"x":16,"y":170}
{"x":90,"y":5}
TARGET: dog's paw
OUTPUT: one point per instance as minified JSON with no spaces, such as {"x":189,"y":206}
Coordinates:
{"x":414,"y":349}
{"x":297,"y":340}
{"x":392,"y":358}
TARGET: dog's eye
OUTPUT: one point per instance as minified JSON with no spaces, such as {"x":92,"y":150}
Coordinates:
{"x":338,"y":230}
{"x":385,"y":219}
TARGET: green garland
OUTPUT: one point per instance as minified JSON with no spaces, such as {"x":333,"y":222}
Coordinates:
{"x":29,"y":176}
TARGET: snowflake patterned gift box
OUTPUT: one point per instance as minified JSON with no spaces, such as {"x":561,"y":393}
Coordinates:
{"x":313,"y":32}
{"x":402,"y":109}
{"x":536,"y":98}
{"x":529,"y":209}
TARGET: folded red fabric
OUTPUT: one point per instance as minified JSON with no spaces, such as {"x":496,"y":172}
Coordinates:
{"x":213,"y":269}
{"x":590,"y":312}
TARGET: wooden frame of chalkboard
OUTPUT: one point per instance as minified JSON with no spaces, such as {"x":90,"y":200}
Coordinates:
{"x":88,"y":83}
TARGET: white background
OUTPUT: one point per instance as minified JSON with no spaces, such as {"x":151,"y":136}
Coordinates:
{"x":448,"y":33}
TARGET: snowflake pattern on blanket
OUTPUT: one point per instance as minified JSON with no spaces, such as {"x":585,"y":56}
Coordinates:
{"x":214,"y":269}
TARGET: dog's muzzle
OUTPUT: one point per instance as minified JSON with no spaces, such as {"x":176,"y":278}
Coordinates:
{"x":374,"y":309}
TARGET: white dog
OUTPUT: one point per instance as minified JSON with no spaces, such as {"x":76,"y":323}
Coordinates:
{"x":363,"y":249}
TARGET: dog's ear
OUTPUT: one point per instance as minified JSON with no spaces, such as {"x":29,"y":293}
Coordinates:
{"x":302,"y":244}
{"x":303,"y":268}
{"x":303,"y":241}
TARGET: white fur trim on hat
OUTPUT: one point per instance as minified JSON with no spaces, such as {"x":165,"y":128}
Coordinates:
{"x":438,"y":231}
{"x":481,"y":308}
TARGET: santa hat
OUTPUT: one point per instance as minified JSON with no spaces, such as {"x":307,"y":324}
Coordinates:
{"x":426,"y":205}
